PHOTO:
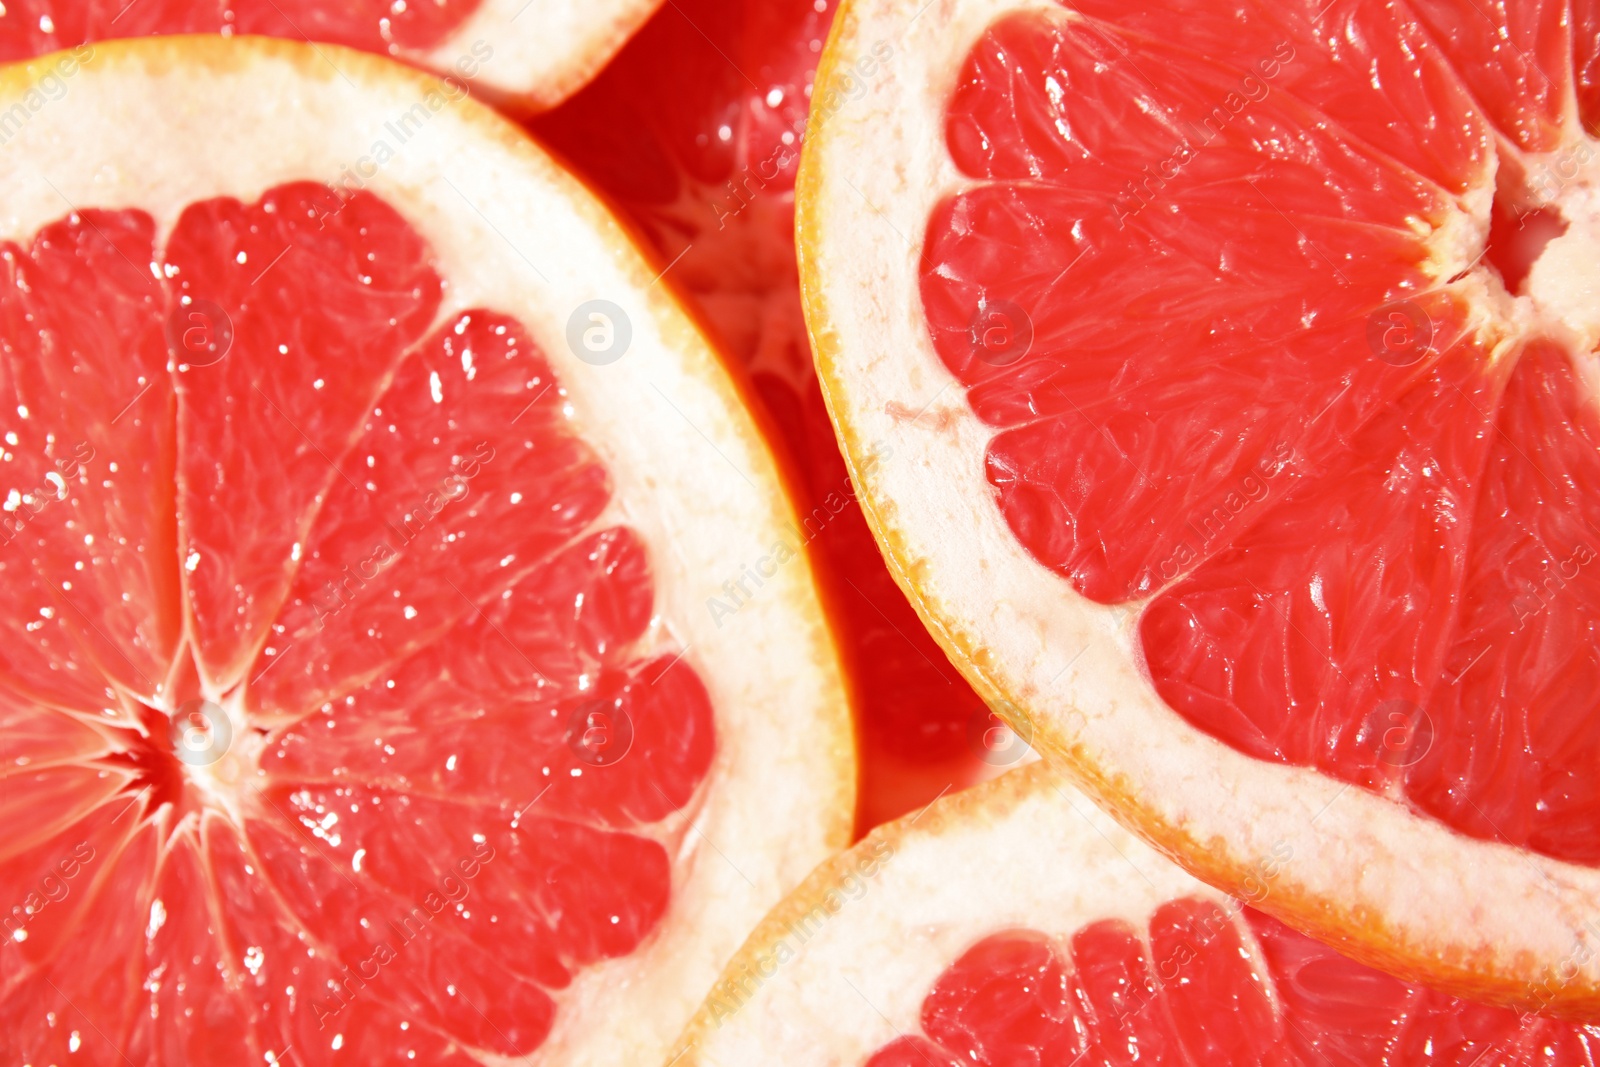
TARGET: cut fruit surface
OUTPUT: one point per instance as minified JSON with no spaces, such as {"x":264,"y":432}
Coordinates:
{"x":526,"y":54}
{"x":1018,"y":924}
{"x":357,"y":701}
{"x":1259,"y":471}
{"x":695,"y":131}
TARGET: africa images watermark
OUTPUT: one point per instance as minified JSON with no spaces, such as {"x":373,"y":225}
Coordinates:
{"x":1563,"y":974}
{"x":1561,"y":169}
{"x":849,"y":82}
{"x":1252,"y":89}
{"x":408,"y":927}
{"x":46,"y":89}
{"x":1202,"y":932}
{"x":353,"y":176}
{"x":1534,"y":598}
{"x":335,"y":596}
{"x":737,"y":592}
{"x":1252,"y":489}
{"x":53,"y":888}
{"x":21,"y":507}
{"x":734,"y":991}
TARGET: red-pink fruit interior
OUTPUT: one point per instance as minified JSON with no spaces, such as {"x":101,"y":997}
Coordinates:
{"x":1205,"y":985}
{"x":695,"y":129}
{"x":33,"y":27}
{"x":254,"y":461}
{"x":1192,"y":291}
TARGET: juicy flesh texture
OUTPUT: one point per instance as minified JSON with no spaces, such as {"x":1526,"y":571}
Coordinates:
{"x":368,"y":536}
{"x":1260,"y":363}
{"x":1206,"y":985}
{"x":695,"y":130}
{"x":34,"y":27}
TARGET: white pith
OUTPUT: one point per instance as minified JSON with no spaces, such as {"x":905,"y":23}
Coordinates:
{"x":225,"y":784}
{"x":1564,"y":282}
{"x":1023,"y":851}
{"x":1398,"y":890}
{"x":543,"y":50}
{"x":158,"y":123}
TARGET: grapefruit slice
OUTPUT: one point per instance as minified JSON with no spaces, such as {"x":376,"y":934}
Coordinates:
{"x":1016,"y":924}
{"x":1257,"y":473}
{"x":525,"y":54}
{"x":694,"y":132}
{"x":358,"y":703}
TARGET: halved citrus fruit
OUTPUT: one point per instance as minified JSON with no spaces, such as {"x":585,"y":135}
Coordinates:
{"x":694,"y":131}
{"x":358,"y":701}
{"x":1246,"y":450}
{"x":1017,"y":924}
{"x":525,"y":54}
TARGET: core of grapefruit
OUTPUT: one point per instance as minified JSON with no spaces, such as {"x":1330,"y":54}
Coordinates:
{"x":1258,"y":464}
{"x":525,"y":54}
{"x":694,"y":131}
{"x":1017,"y":924}
{"x":358,"y":703}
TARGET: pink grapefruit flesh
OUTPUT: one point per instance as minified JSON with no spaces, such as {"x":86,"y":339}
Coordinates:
{"x":34,"y":27}
{"x":382,"y":528}
{"x":526,"y":54}
{"x":1256,"y":475}
{"x":695,"y":131}
{"x":1196,"y":986}
{"x":350,"y":709}
{"x":1014,"y":925}
{"x":1338,"y":544}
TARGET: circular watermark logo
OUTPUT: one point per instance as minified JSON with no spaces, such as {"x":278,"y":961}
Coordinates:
{"x":199,"y":333}
{"x":1000,"y":332}
{"x":599,"y":332}
{"x":1403,"y":733}
{"x":201,"y":733}
{"x":995,"y":740}
{"x":1400,"y":333}
{"x":599,"y":733}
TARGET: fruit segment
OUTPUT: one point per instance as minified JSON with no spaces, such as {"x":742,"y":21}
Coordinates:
{"x":1512,"y":713}
{"x":1339,"y":596}
{"x":461,"y":485}
{"x":34,"y":27}
{"x":1016,"y":925}
{"x":1149,"y":339}
{"x":323,"y":298}
{"x":327,"y":755}
{"x":1516,"y":59}
{"x":696,"y":130}
{"x":89,"y":591}
{"x":1262,"y":361}
{"x":1204,"y":983}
